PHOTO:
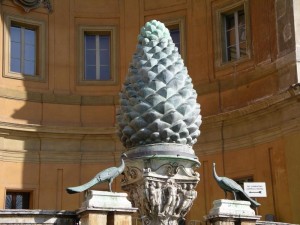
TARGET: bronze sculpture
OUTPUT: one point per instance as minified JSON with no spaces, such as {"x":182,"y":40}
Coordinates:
{"x":106,"y":175}
{"x":230,"y":185}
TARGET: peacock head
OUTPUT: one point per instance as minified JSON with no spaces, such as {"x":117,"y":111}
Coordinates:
{"x":124,"y":155}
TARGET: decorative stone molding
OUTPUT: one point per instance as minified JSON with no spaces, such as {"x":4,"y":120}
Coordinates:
{"x":57,"y":130}
{"x":71,"y":145}
{"x":271,"y":118}
{"x":58,"y":98}
{"x":28,"y":5}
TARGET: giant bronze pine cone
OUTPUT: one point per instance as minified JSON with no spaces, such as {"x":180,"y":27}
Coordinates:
{"x":158,"y":102}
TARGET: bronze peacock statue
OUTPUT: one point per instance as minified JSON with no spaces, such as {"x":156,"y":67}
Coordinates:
{"x":106,"y":175}
{"x":230,"y":185}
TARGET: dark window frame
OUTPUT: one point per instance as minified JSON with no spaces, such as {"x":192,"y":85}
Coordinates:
{"x":40,"y":26}
{"x":113,"y":32}
{"x":178,"y":24}
{"x":23,"y":27}
{"x":220,"y":9}
{"x":98,"y":59}
{"x":175,"y":28}
{"x":242,"y":180}
{"x":26,"y":199}
{"x":237,"y":30}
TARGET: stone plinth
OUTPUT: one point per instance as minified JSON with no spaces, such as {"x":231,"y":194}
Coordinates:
{"x":231,"y":208}
{"x":105,"y":200}
{"x":231,"y":212}
{"x":102,"y":207}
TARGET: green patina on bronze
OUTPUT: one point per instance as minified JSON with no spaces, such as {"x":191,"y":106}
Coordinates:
{"x":158,"y":103}
{"x":107,"y":175}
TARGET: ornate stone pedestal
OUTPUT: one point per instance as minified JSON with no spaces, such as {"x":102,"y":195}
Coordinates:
{"x":159,"y":120}
{"x":161,"y":185}
{"x":101,"y":208}
{"x":231,"y":212}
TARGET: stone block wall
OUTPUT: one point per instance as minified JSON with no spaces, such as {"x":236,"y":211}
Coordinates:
{"x":37,"y":217}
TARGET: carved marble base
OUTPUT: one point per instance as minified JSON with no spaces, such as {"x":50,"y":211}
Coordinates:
{"x":231,"y":208}
{"x":162,"y":186}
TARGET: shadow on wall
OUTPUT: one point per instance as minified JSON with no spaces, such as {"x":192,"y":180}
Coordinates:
{"x":46,"y":127}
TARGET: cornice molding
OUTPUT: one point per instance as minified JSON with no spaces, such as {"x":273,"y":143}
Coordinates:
{"x":278,"y":68}
{"x":59,"y":157}
{"x":261,"y":122}
{"x":58,"y":98}
{"x":255,"y":106}
{"x":262,"y":106}
{"x":57,"y":129}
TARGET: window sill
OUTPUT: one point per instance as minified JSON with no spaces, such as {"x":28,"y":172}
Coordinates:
{"x":233,"y":66}
{"x":20,"y":76}
{"x":97,"y":82}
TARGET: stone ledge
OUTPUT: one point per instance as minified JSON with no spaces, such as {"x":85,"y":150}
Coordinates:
{"x":263,"y":121}
{"x":255,"y":106}
{"x":161,"y":150}
{"x":106,"y":201}
{"x":228,"y":217}
{"x":279,"y":67}
{"x":225,"y":209}
{"x":99,"y":100}
{"x":107,"y":209}
{"x":261,"y":222}
{"x":23,"y":216}
{"x":58,"y":130}
{"x":36,"y":212}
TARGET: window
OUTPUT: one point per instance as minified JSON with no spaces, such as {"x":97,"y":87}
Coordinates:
{"x":234,"y":45}
{"x":175,"y":35}
{"x":24,"y":48}
{"x":17,"y":200}
{"x":241,"y":181}
{"x":176,"y":28}
{"x":232,"y":39}
{"x":97,"y":55}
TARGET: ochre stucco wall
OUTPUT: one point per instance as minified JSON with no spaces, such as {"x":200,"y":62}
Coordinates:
{"x":59,"y":133}
{"x":265,"y":162}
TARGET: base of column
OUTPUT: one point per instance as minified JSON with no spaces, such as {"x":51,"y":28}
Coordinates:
{"x":102,"y":207}
{"x":231,"y":212}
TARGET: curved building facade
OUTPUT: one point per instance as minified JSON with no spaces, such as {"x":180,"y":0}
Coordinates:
{"x":62,"y":67}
